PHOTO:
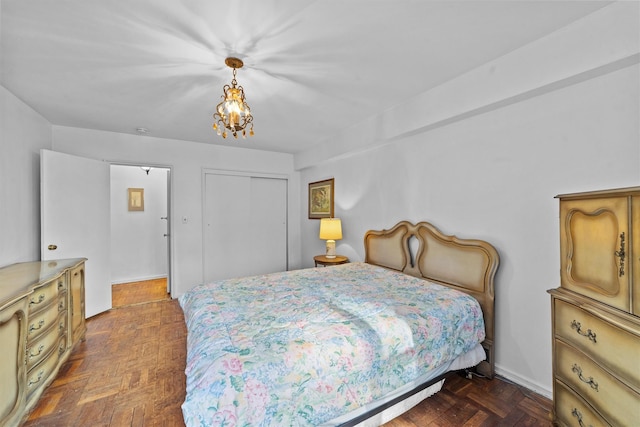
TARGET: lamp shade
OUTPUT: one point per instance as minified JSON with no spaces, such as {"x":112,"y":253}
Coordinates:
{"x":330,"y":229}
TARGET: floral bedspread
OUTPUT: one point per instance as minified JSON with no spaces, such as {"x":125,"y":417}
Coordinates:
{"x":300,"y":348}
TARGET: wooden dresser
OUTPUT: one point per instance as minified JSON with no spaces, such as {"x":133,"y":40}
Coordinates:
{"x":596,"y":310}
{"x":42,"y":317}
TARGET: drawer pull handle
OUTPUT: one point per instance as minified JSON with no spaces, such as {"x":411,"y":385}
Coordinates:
{"x":578,"y":371}
{"x":33,"y":327}
{"x":31,"y":355}
{"x":40,"y":299}
{"x":578,"y":415}
{"x":621,"y":254}
{"x":61,"y":306}
{"x":578,"y":327}
{"x":37,"y":380}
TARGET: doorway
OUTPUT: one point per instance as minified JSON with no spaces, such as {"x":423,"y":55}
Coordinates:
{"x":140,"y":224}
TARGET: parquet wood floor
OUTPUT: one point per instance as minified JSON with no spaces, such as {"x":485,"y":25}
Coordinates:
{"x":124,"y":294}
{"x":478,"y":402}
{"x":130,"y":372}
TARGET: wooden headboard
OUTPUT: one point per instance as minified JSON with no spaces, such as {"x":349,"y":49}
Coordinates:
{"x":421,"y":250}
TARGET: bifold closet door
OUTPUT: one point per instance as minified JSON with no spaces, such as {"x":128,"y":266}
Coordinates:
{"x":245,"y":226}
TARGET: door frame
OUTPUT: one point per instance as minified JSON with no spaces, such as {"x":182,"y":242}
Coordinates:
{"x":170,"y":248}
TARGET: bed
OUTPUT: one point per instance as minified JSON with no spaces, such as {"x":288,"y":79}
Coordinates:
{"x":353,"y":344}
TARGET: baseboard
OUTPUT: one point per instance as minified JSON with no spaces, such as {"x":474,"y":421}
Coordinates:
{"x":525,"y":382}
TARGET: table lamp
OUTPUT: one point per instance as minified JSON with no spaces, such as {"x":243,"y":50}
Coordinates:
{"x":330,"y":230}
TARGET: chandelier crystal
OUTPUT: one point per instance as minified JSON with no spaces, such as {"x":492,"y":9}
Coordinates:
{"x":233,"y":113}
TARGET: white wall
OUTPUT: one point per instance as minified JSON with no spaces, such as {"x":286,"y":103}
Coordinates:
{"x":187,"y":161}
{"x":491,"y":171}
{"x":23,"y":132}
{"x":138,"y":245}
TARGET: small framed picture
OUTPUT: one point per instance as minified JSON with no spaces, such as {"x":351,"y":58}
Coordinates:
{"x":136,"y":199}
{"x":321,"y":199}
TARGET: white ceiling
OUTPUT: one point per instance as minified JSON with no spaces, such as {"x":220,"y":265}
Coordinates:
{"x":312,"y":68}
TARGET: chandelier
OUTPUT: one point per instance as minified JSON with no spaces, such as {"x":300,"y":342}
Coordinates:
{"x":233,"y":113}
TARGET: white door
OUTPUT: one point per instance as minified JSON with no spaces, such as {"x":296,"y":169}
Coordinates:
{"x":75,"y":220}
{"x":245,"y":226}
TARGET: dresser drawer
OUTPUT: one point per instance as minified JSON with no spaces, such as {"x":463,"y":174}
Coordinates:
{"x":39,"y":348}
{"x":615,"y":401}
{"x":44,"y":295}
{"x":40,"y":373}
{"x":62,"y":345}
{"x":63,"y":321}
{"x":615,"y":348}
{"x":572,"y":410}
{"x":62,"y":302}
{"x":42,"y":321}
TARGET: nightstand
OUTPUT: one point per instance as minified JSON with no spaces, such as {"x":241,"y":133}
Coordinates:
{"x":324,"y":261}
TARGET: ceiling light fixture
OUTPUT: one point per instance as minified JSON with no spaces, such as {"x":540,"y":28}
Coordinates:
{"x":233,"y":113}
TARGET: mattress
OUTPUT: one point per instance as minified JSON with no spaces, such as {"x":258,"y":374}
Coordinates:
{"x":309,"y":347}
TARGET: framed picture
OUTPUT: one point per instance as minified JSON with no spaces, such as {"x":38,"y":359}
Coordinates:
{"x":321,"y":199}
{"x":136,"y":199}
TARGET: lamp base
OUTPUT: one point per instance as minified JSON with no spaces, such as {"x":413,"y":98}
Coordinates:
{"x":331,"y":249}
